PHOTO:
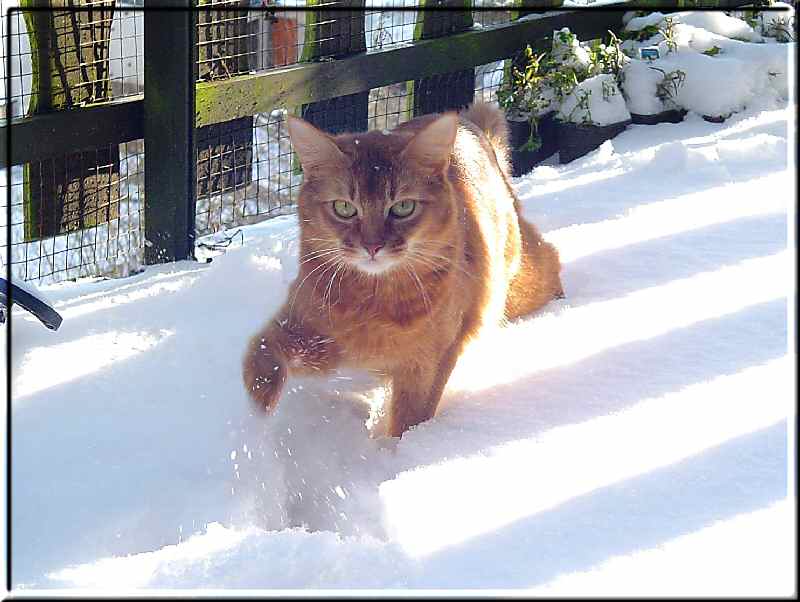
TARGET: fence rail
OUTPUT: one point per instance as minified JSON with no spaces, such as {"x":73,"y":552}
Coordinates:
{"x":206,"y":128}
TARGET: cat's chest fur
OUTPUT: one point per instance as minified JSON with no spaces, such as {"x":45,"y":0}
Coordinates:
{"x":381,"y":322}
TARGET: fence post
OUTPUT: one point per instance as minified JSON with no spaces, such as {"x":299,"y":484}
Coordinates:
{"x":335,"y":34}
{"x":169,"y":118}
{"x":449,"y":90}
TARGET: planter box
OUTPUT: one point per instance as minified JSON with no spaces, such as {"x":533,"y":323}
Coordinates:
{"x":575,"y":140}
{"x":671,"y":116}
{"x":524,"y":161}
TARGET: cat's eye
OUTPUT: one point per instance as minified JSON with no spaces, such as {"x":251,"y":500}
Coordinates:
{"x":403,"y":208}
{"x":344,"y":209}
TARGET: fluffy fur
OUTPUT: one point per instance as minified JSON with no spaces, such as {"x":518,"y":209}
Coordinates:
{"x":401,"y":296}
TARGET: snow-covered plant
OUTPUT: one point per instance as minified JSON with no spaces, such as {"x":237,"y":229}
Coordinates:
{"x":780,"y":28}
{"x":526,"y":93}
{"x":568,"y":52}
{"x":772,"y":24}
{"x":581,"y":108}
{"x":594,"y":101}
{"x":669,"y":34}
{"x":667,"y":90}
{"x":640,"y":35}
{"x":610,"y":57}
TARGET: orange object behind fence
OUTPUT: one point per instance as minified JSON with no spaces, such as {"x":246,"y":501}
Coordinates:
{"x":284,"y":41}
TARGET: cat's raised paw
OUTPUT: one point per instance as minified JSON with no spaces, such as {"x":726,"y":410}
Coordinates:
{"x":264,"y":376}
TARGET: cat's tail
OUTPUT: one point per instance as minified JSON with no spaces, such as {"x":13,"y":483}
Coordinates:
{"x":492,"y":122}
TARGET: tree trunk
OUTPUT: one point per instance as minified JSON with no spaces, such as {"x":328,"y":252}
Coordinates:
{"x":69,"y":52}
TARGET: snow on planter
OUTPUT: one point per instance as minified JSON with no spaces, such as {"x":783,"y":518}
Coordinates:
{"x":568,"y":51}
{"x":714,"y":74}
{"x":592,"y":113}
{"x":640,"y":84}
{"x":595,"y":101}
{"x":714,"y":22}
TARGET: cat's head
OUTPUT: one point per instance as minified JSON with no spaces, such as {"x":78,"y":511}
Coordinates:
{"x":376,"y":200}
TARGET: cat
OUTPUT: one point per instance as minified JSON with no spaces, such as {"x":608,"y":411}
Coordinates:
{"x":411,"y":241}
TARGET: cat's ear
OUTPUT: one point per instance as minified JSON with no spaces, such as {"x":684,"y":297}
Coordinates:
{"x":431,"y":146}
{"x":314,"y":147}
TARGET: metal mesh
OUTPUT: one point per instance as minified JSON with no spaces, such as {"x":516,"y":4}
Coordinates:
{"x":389,"y":106}
{"x":245,"y":172}
{"x":488,"y":16}
{"x":385,"y":28}
{"x":233,"y":42}
{"x":89,"y":56}
{"x":488,"y":79}
{"x":77,"y":215}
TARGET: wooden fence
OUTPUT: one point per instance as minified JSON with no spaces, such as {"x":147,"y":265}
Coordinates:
{"x":336,"y":71}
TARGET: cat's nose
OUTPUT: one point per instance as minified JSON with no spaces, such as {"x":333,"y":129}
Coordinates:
{"x":373,"y":248}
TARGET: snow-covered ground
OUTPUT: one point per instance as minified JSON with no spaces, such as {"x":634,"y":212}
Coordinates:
{"x":635,"y":438}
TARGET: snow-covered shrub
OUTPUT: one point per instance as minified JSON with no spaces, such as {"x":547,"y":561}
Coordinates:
{"x":594,"y":101}
{"x":569,"y":53}
{"x":527,"y":93}
{"x":778,"y":25}
{"x":710,"y":63}
{"x":538,"y":83}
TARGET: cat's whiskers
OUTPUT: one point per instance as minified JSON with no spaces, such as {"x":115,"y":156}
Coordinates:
{"x":327,"y":297}
{"x":318,"y":253}
{"x":297,"y":290}
{"x":337,"y":262}
{"x":425,"y":299}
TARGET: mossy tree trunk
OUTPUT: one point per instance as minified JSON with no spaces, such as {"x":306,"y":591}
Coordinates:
{"x":70,"y":68}
{"x":224,"y":150}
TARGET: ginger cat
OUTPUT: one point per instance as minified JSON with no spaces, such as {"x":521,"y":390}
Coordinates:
{"x":410,"y":242}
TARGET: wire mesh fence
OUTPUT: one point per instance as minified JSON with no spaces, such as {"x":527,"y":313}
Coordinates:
{"x":83,"y":214}
{"x":76,"y":215}
{"x":62,"y":59}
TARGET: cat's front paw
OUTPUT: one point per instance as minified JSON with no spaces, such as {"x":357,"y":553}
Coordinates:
{"x":264,"y":375}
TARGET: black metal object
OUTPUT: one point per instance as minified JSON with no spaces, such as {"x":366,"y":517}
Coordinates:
{"x":28,"y":301}
{"x":671,"y":116}
{"x":576,"y":140}
{"x":169,"y":130}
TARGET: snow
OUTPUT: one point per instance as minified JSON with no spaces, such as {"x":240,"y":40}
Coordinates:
{"x":640,"y":85}
{"x":604,"y":103}
{"x":631,"y":439}
{"x":569,"y":53}
{"x":738,"y":74}
{"x":715,"y":22}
